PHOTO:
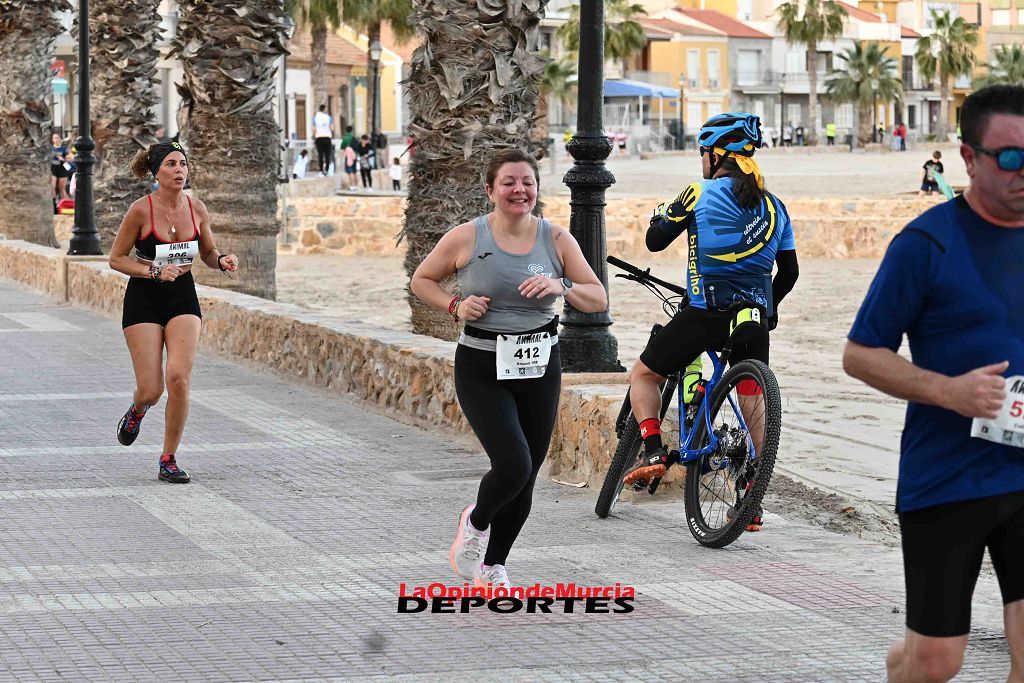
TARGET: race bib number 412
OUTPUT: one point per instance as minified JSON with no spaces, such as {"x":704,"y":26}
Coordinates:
{"x":177,"y":254}
{"x":1008,"y":428}
{"x":520,"y":356}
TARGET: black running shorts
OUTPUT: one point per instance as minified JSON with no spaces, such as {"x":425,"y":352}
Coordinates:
{"x":153,"y":301}
{"x":943,"y":547}
{"x":691,"y":332}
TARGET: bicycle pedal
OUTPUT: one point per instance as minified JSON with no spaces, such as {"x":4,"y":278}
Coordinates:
{"x":639,"y":485}
{"x":654,"y":485}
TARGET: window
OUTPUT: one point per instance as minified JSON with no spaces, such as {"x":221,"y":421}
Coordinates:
{"x":693,"y":68}
{"x":714,"y":109}
{"x":713,"y":69}
{"x":694,"y":115}
{"x":745,"y":10}
{"x":1020,"y":16}
{"x":844,"y":116}
{"x":824,"y":62}
{"x":796,"y":61}
{"x":911,"y":116}
{"x":908,"y":71}
{"x":793,"y":114}
{"x":748,"y":67}
{"x":1001,"y":17}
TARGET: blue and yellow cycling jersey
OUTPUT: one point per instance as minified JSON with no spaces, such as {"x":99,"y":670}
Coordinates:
{"x":730,"y":250}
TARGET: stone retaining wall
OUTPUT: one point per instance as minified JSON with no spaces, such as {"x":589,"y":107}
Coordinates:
{"x":408,"y":376}
{"x":835,"y":228}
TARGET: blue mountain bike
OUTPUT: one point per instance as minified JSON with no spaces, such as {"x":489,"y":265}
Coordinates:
{"x":729,"y":432}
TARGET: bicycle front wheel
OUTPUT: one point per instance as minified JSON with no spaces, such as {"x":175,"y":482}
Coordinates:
{"x":724,"y":488}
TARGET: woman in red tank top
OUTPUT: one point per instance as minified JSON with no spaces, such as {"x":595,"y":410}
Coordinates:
{"x":159,"y":238}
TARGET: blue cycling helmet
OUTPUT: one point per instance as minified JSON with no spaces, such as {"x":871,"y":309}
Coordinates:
{"x":733,"y":132}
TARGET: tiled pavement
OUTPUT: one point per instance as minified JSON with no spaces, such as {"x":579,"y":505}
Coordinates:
{"x":283,"y":559}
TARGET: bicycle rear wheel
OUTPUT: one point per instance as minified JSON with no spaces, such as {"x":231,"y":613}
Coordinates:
{"x":724,"y":489}
{"x":627,"y":453}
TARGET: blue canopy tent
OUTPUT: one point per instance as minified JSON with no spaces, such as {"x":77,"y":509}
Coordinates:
{"x":640,"y":90}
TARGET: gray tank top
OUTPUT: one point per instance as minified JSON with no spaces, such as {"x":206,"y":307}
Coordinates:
{"x":496,"y":273}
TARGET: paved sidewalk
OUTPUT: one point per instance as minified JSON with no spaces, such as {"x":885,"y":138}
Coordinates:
{"x":282,"y":560}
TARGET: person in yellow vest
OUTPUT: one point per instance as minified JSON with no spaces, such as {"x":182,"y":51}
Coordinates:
{"x":830,"y":134}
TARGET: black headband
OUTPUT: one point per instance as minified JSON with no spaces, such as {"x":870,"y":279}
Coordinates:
{"x":159,"y":152}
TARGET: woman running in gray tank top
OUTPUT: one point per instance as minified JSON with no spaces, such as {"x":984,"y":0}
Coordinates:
{"x":511,"y":267}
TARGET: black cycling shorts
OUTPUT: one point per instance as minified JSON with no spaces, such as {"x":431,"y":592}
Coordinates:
{"x":691,"y":332}
{"x":943,"y":547}
{"x":153,"y":301}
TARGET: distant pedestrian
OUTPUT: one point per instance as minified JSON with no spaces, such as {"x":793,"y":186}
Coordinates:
{"x":896,"y":138}
{"x":929,"y":183}
{"x":800,"y":136}
{"x":59,"y":169}
{"x":395,"y":172}
{"x":830,"y":134}
{"x":301,"y":163}
{"x":903,"y":138}
{"x":620,"y":140}
{"x":380,"y":145}
{"x":322,"y":133}
{"x":347,"y":138}
{"x":160,"y":237}
{"x":351,"y":164}
{"x":365,"y":153}
{"x":787,"y":135}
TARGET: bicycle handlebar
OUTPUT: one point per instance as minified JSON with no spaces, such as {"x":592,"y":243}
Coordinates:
{"x":645,"y":275}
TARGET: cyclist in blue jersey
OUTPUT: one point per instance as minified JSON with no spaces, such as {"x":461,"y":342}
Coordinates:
{"x":736,"y":232}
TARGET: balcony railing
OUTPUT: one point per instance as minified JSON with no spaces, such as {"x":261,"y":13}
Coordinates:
{"x":661,"y":78}
{"x":754,"y":78}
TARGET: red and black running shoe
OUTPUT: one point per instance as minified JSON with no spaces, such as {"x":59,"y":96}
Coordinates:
{"x":653,"y":464}
{"x":169,"y":470}
{"x":128,"y":427}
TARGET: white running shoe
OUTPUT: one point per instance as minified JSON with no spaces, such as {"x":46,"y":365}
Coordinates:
{"x":468,"y":549}
{"x":495,"y":575}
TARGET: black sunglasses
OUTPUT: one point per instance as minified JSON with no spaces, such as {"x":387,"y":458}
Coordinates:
{"x":1007,"y":158}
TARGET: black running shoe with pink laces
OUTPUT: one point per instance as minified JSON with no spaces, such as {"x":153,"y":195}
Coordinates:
{"x":169,"y":471}
{"x":128,"y":427}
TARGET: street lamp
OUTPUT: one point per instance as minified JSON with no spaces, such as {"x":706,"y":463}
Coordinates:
{"x":85,"y":240}
{"x":682,"y":120}
{"x":586,"y":341}
{"x":375,"y":51}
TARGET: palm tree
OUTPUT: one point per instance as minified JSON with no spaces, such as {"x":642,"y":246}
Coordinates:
{"x":623,"y":34}
{"x":810,"y":23}
{"x":558,"y":84}
{"x":367,"y":16}
{"x":316,"y":16}
{"x":230,"y":50}
{"x":948,"y":52}
{"x":28,"y":29}
{"x":1008,"y":67}
{"x":123,"y":38}
{"x":869,"y":77}
{"x":473,"y":90}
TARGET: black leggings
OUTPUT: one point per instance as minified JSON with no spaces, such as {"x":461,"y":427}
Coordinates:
{"x":513,"y":419}
{"x":367,"y":174}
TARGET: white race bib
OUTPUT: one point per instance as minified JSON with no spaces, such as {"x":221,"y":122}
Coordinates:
{"x":1008,"y":428}
{"x":177,"y":254}
{"x":522,"y":356}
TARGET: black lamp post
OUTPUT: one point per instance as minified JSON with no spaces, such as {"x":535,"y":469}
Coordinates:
{"x":85,"y":240}
{"x":586,"y":342}
{"x":284,"y":173}
{"x":375,"y":50}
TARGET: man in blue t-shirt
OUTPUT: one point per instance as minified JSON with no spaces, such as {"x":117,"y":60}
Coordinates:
{"x":736,"y":233}
{"x":953,"y":282}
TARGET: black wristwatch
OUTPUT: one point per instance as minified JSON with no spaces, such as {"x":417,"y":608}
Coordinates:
{"x":567,"y":284}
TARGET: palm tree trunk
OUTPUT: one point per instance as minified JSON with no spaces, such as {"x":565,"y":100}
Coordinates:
{"x":473,"y":91}
{"x":942,"y":131}
{"x":863,"y":124}
{"x":28,"y":29}
{"x":372,"y":34}
{"x":230,"y":59}
{"x":811,"y":127}
{"x":318,"y":53}
{"x":123,"y":39}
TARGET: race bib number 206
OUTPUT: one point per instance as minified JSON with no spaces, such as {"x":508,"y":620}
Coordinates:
{"x":177,"y":254}
{"x":1008,"y":428}
{"x":522,"y":356}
